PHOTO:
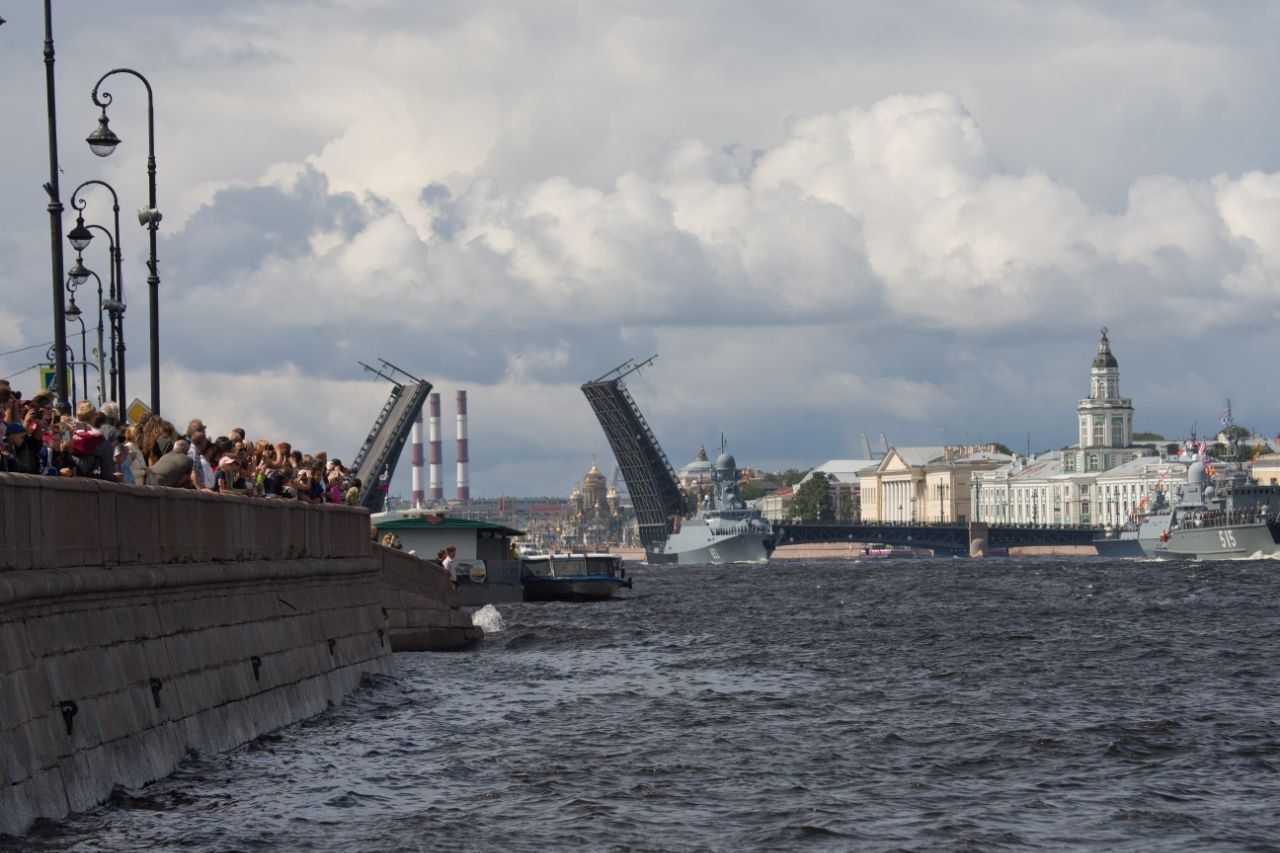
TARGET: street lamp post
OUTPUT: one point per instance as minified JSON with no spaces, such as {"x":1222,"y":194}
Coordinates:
{"x":78,"y":275}
{"x":80,"y":236}
{"x":102,"y":141}
{"x":73,"y":312}
{"x":55,"y":220}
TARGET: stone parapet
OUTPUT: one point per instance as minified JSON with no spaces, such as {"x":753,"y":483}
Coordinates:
{"x":60,"y":522}
{"x":140,"y":623}
{"x":421,"y":604}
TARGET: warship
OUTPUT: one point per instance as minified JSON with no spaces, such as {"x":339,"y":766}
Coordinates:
{"x":723,"y":529}
{"x":720,"y":528}
{"x":1230,"y":517}
{"x":1138,"y":537}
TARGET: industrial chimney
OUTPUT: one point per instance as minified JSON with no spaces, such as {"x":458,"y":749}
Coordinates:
{"x":464,"y":474}
{"x":416,"y":438}
{"x":436,"y":492}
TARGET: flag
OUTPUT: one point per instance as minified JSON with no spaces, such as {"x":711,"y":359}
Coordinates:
{"x":1225,"y":417}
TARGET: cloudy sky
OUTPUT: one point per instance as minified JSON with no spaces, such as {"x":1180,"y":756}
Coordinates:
{"x":827,"y":218}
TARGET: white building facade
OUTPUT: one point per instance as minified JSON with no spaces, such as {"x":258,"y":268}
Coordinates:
{"x":1100,"y":482}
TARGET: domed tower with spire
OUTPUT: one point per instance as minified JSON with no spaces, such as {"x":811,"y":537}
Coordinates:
{"x":1105,"y":418}
{"x":595,"y":490}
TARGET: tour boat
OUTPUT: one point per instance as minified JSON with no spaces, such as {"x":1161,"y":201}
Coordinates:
{"x":572,"y":577}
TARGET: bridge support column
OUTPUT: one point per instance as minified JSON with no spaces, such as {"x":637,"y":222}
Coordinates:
{"x":977,"y":539}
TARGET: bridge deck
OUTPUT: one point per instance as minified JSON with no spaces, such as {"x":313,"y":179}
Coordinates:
{"x":943,"y":538}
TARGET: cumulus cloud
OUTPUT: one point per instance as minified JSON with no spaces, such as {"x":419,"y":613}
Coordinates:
{"x":516,"y":198}
{"x":897,"y":210}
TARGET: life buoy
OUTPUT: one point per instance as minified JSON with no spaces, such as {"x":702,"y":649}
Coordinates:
{"x":1164,"y":536}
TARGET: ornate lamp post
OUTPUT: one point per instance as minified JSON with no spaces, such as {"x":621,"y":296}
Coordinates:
{"x":102,"y":142}
{"x":55,"y":220}
{"x":72,"y":312}
{"x":77,"y":276}
{"x":80,"y":237}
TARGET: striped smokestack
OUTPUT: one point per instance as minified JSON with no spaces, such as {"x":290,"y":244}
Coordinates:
{"x":417,"y":460}
{"x":464,"y":474}
{"x":436,"y":492}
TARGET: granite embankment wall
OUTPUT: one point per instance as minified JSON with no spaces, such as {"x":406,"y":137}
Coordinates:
{"x":421,"y":605}
{"x":138,"y":623}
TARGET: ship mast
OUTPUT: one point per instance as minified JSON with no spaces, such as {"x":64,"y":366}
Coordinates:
{"x":1229,"y":423}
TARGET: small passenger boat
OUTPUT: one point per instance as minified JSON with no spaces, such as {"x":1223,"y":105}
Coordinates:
{"x":886,"y":553}
{"x":572,"y":577}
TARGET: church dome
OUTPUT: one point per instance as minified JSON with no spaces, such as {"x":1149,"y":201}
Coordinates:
{"x":699,"y":466}
{"x":593,"y":477}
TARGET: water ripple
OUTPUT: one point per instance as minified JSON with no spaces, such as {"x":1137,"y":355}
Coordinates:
{"x":986,"y":705}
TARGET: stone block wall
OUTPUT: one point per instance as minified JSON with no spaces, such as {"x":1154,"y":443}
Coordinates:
{"x":421,"y":605}
{"x":111,"y":672}
{"x":57,"y":522}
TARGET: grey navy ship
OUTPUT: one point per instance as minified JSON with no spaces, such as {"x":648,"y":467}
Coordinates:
{"x":720,"y":529}
{"x":723,"y":529}
{"x":1224,"y":518}
{"x":1212,"y":518}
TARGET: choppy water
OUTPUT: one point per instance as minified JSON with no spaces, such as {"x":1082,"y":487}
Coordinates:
{"x":834,"y":705}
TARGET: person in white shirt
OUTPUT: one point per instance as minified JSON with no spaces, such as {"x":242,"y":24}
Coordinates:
{"x":451,"y":564}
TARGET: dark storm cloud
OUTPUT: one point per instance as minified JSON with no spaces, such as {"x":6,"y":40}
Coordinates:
{"x":243,"y":226}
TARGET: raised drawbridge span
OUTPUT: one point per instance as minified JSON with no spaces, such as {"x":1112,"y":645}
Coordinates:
{"x":650,"y":479}
{"x":376,"y":460}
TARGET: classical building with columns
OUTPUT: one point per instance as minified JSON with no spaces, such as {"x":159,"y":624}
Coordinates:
{"x":918,"y":485}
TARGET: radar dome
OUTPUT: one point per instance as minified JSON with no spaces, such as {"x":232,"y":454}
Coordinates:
{"x":726,"y":461}
{"x":1195,"y":474}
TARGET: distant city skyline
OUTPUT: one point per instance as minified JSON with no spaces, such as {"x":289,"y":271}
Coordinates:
{"x":827,"y":221}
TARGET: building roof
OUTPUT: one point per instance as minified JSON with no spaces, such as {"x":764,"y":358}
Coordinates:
{"x":842,"y":470}
{"x":1019,"y":468}
{"x":1045,"y":465}
{"x":911,"y":457}
{"x":1139,"y":466}
{"x":919,"y":455}
{"x":425,"y":521}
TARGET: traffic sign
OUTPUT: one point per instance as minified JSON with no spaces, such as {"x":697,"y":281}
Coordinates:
{"x":136,"y":410}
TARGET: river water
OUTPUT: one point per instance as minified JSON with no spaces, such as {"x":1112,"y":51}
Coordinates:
{"x":917,"y":704}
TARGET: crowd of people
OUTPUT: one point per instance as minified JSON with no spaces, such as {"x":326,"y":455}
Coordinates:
{"x":94,"y":442}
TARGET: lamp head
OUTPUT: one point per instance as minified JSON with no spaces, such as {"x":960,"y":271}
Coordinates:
{"x":80,"y":236}
{"x":78,"y":273}
{"x":72,"y":310}
{"x":103,"y":140}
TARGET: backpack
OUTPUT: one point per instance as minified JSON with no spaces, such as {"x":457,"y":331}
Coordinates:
{"x":85,"y":441}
